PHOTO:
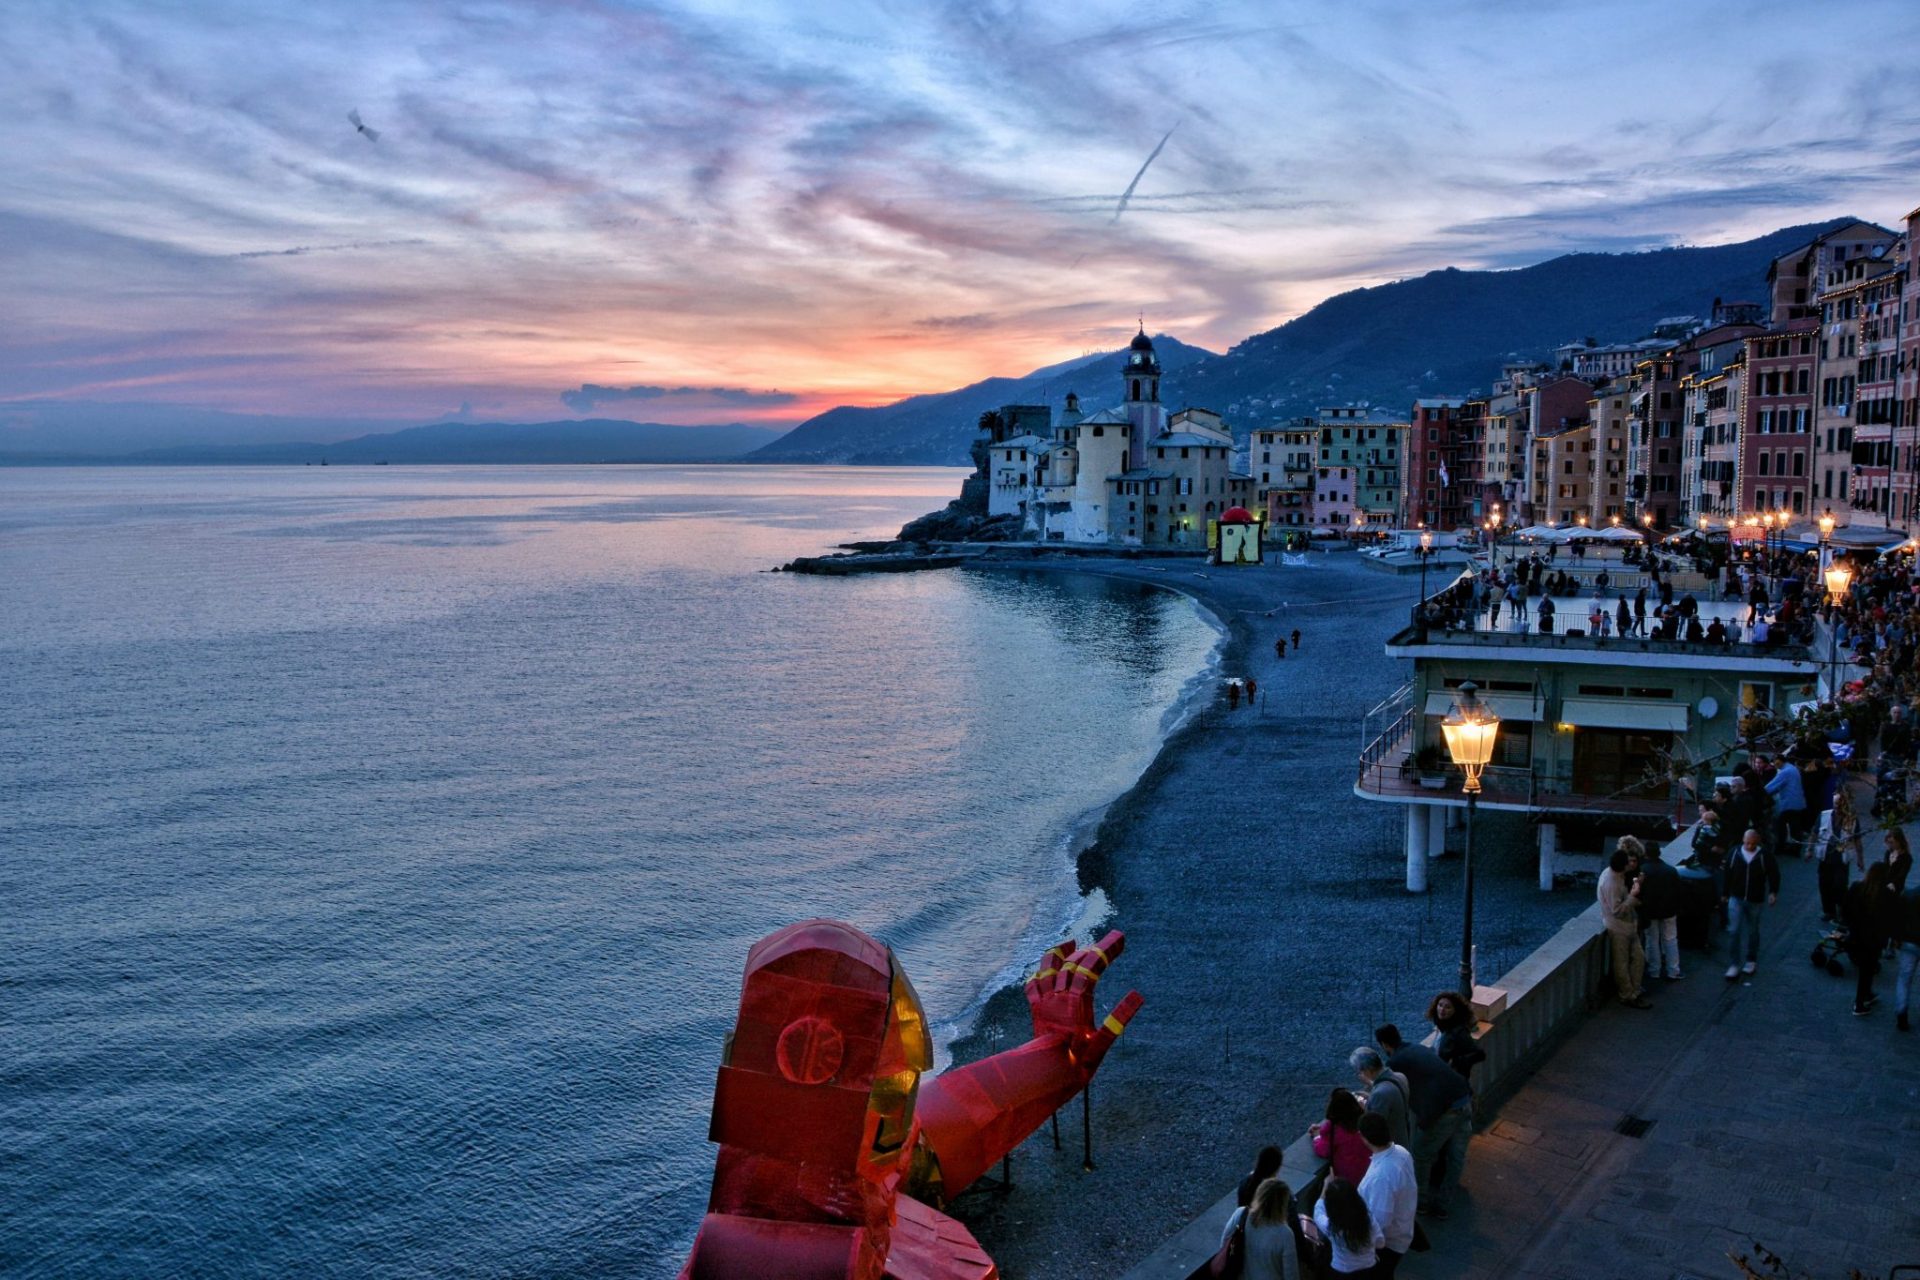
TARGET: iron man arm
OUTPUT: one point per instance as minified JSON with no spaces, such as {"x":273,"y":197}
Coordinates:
{"x":971,"y":1116}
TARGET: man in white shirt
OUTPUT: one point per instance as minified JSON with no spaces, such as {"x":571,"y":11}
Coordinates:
{"x":1391,"y":1190}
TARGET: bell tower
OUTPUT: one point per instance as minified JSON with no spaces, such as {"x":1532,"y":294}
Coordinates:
{"x":1145,"y":413}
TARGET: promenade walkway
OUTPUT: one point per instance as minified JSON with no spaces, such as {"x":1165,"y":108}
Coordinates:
{"x":1772,"y":1113}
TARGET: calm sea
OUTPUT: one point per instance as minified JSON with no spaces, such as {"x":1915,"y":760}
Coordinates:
{"x":379,"y":848}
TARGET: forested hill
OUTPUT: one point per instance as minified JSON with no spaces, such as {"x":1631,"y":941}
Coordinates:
{"x":939,"y":427}
{"x":1443,"y":333}
{"x":1447,"y":332}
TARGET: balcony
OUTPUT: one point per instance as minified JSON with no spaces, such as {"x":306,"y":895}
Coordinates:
{"x":1386,"y":774}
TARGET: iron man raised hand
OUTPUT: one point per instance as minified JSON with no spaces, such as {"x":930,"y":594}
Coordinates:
{"x":836,"y":1157}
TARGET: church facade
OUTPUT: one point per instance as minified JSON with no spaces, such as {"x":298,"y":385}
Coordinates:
{"x":1130,"y":475}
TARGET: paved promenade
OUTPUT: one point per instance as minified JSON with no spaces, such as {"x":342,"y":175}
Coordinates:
{"x":1776,"y":1115}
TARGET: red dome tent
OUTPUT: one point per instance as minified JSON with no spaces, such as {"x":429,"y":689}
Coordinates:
{"x":1235,"y":537}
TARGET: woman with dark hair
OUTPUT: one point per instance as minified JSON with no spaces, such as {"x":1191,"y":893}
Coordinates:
{"x":1452,"y":1016}
{"x":1348,"y":1229}
{"x":1337,"y":1138}
{"x":1265,"y":1165}
{"x":1899,"y":859}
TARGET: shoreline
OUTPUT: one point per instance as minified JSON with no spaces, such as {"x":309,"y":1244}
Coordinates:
{"x":1259,"y":970}
{"x":1084,"y":913}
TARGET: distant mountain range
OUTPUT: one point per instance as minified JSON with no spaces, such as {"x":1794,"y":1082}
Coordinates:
{"x":568,"y":441}
{"x":936,"y":429}
{"x":1444,"y":333}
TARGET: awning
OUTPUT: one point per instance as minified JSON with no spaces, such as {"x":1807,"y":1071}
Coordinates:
{"x":1618,"y":713}
{"x":1508,"y":706}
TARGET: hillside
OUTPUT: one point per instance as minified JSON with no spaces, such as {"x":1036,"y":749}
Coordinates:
{"x":1444,"y":333}
{"x":589,"y":440}
{"x":938,"y":428}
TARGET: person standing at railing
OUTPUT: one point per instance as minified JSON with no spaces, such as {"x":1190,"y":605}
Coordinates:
{"x":1443,"y":1111}
{"x":1388,"y":1094}
{"x":1392,"y":1192}
{"x":1618,"y":893}
{"x":1659,"y":913}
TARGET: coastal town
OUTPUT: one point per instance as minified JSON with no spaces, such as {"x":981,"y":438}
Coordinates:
{"x":1798,"y":402}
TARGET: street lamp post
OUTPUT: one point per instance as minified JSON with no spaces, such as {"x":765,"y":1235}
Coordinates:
{"x":1426,"y":545}
{"x":1838,"y":577}
{"x":1470,"y":728}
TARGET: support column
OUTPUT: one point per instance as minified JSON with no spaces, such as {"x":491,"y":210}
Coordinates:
{"x":1417,"y":848}
{"x":1549,"y":849}
{"x":1436,"y":830}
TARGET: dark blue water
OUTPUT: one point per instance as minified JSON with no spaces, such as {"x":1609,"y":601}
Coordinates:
{"x":380,"y":848}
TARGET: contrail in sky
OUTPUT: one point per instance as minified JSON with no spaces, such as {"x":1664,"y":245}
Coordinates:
{"x":1128,"y":193}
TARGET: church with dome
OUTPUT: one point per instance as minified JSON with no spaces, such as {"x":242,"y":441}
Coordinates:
{"x":1129,"y":475}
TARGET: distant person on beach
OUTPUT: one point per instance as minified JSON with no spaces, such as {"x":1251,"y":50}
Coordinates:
{"x":1353,"y":1238}
{"x":1253,"y":687}
{"x":1442,"y":1102}
{"x":1233,"y":695}
{"x":1392,"y":1192}
{"x":1388,"y":1094}
{"x":1337,"y":1138}
{"x":1280,"y":648}
{"x":1296,"y":639}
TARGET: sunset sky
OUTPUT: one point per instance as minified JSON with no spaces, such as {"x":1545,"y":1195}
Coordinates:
{"x":753,"y":210}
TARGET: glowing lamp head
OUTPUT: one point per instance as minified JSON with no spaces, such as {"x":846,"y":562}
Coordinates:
{"x":1703,"y":523}
{"x":1826,"y":524}
{"x":1647,"y":519}
{"x":1839,"y":577}
{"x":1615,"y":519}
{"x":1426,"y":539}
{"x":1470,"y":728}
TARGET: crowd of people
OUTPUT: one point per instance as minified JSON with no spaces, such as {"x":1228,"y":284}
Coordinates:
{"x":1529,"y":592}
{"x":1395,"y":1149}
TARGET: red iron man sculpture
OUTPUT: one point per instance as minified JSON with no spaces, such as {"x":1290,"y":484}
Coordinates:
{"x":835,"y":1156}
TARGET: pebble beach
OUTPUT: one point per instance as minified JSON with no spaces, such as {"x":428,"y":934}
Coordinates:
{"x":1267,"y":922}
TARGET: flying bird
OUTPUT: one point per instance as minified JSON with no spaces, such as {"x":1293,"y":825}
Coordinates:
{"x":1128,"y":193}
{"x":373,"y":135}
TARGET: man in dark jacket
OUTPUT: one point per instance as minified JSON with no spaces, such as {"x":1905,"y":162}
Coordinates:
{"x":1659,"y":916}
{"x":1443,"y":1111}
{"x":1753,"y":882}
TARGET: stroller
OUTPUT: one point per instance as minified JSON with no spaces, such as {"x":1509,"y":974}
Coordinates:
{"x":1828,"y":953}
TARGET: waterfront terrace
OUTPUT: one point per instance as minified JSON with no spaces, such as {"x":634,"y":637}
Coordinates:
{"x":1599,"y":734}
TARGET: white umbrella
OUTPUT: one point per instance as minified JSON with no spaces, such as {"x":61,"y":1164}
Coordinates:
{"x":1543,"y":533}
{"x":1614,"y":533}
